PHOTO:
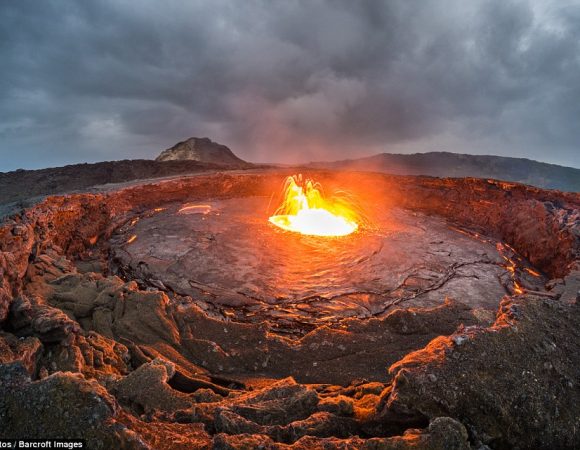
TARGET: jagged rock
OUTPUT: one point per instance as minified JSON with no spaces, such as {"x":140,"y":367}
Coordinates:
{"x":5,"y":289}
{"x":339,"y":405}
{"x":51,"y":324}
{"x":283,"y":402}
{"x":203,"y":395}
{"x":16,"y":245}
{"x":91,"y":354}
{"x":60,"y":406}
{"x":13,"y":376}
{"x":24,"y":350}
{"x":229,"y":422}
{"x":141,"y":316}
{"x":121,"y":311}
{"x":34,"y":317}
{"x":325,"y":354}
{"x":278,"y":404}
{"x":203,"y":390}
{"x":81,"y":295}
{"x":116,"y":309}
{"x":320,"y":424}
{"x":104,"y":354}
{"x":285,"y":411}
{"x":443,"y":433}
{"x":147,"y":388}
{"x":223,"y":441}
{"x":514,"y":385}
{"x":203,"y":150}
{"x":161,"y":435}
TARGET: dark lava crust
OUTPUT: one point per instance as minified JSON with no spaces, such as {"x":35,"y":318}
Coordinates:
{"x":93,"y":345}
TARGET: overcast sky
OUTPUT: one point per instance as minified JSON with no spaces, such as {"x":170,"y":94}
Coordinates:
{"x":288,"y":80}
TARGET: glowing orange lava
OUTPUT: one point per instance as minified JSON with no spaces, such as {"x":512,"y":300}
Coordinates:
{"x":195,"y":209}
{"x":305,"y":210}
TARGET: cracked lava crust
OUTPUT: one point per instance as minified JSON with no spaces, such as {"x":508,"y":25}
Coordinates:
{"x":229,"y":259}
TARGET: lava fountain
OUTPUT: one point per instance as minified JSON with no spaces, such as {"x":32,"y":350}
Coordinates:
{"x":306,"y":210}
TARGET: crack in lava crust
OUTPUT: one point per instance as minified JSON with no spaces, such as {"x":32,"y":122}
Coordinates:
{"x":225,"y":255}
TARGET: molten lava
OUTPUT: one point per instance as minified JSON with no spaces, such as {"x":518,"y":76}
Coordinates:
{"x":305,"y":210}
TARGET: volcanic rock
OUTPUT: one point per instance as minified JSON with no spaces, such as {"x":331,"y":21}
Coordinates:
{"x":147,"y":388}
{"x":26,"y":351}
{"x":34,"y":318}
{"x":513,"y":385}
{"x":88,"y":353}
{"x":62,"y":406}
{"x":202,"y":150}
{"x":146,"y":366}
{"x":442,"y":434}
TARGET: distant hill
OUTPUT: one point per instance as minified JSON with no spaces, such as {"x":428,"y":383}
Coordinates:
{"x":190,"y":156}
{"x":202,"y":150}
{"x":445,"y":164}
{"x":20,"y":185}
{"x":23,"y":184}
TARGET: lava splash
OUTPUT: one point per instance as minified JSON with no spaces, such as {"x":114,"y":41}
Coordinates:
{"x":305,"y":210}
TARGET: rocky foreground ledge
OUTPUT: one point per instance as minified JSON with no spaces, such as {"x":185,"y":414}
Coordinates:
{"x":86,"y":353}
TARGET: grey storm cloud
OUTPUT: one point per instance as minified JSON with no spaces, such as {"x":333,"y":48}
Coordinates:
{"x":288,"y":81}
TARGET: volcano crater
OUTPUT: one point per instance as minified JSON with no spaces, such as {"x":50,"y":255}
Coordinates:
{"x":227,"y":257}
{"x":178,"y":304}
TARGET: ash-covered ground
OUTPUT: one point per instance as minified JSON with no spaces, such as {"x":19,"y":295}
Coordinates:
{"x":171,"y":314}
